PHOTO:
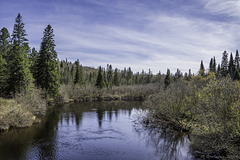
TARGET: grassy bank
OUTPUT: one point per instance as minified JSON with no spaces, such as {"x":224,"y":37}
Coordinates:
{"x":207,"y":108}
{"x":22,"y":110}
{"x":90,"y":93}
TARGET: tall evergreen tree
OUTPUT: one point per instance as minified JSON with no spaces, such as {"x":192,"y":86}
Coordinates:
{"x":211,"y":65}
{"x":224,"y":64}
{"x":3,"y":76}
{"x":237,"y":60}
{"x":110,"y":76}
{"x":20,"y":78}
{"x":33,"y":60}
{"x":4,"y":43}
{"x":100,"y":79}
{"x":116,"y":80}
{"x":47,"y":76}
{"x":202,"y":69}
{"x":231,"y":67}
{"x":214,"y":65}
{"x":167,"y":80}
{"x":129,"y":76}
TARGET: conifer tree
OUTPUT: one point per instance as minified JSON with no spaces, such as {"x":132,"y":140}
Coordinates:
{"x":116,"y":80}
{"x":4,"y":43}
{"x":214,"y":65}
{"x":202,"y":69}
{"x":237,"y":60}
{"x":77,"y":74}
{"x":211,"y":65}
{"x":47,"y":76}
{"x":100,"y":79}
{"x":3,"y":76}
{"x":167,"y":80}
{"x":129,"y":76}
{"x":110,"y":76}
{"x":224,"y":64}
{"x":33,"y":60}
{"x":231,"y":68}
{"x":20,"y":78}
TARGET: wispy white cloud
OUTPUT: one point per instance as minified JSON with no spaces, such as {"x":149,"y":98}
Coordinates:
{"x":229,"y":7}
{"x":139,"y":35}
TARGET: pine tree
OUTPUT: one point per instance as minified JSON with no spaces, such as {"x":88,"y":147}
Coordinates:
{"x":129,"y":76}
{"x":20,"y":78}
{"x":167,"y":80}
{"x":77,"y":74}
{"x":47,"y":76}
{"x":4,"y":43}
{"x":100,"y":79}
{"x":211,"y":65}
{"x":33,"y":60}
{"x":202,"y":69}
{"x":237,"y":60}
{"x":110,"y":76}
{"x":224,"y":64}
{"x":214,"y":65}
{"x":116,"y":80}
{"x":3,"y":76}
{"x":231,"y":68}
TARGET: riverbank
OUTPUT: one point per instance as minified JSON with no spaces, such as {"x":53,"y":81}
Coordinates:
{"x":205,"y":107}
{"x":22,"y":111}
{"x":25,"y":110}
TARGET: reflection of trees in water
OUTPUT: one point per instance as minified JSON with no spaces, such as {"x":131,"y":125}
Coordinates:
{"x":16,"y":143}
{"x":167,"y":145}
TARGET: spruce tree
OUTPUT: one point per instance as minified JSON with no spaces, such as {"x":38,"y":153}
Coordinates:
{"x":116,"y":80}
{"x":100,"y":79}
{"x":202,"y":69}
{"x":231,"y":68}
{"x":47,"y":76}
{"x":214,"y":65}
{"x":3,"y":76}
{"x":20,"y":78}
{"x":224,"y":64}
{"x":110,"y":76}
{"x":211,"y":65}
{"x":4,"y":43}
{"x":237,"y":60}
{"x":167,"y":80}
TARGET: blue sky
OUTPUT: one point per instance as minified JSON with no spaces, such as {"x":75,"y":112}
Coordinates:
{"x":141,"y":34}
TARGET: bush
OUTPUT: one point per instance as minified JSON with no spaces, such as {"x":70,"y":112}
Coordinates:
{"x":22,"y":111}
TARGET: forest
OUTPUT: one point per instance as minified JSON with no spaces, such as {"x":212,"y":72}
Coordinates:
{"x":205,"y":105}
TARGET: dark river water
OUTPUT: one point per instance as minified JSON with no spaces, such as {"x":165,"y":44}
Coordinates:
{"x":99,"y":130}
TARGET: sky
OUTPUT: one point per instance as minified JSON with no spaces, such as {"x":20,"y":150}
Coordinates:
{"x":141,"y":34}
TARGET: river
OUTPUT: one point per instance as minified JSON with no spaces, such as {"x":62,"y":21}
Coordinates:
{"x":89,"y":131}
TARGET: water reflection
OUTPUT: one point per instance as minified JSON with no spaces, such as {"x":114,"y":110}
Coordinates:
{"x":93,"y":131}
{"x":167,"y":144}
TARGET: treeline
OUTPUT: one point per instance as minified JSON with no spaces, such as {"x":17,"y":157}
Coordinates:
{"x":76,"y":74}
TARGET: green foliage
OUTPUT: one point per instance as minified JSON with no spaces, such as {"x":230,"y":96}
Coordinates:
{"x":100,"y":79}
{"x":4,"y":43}
{"x":116,"y":78}
{"x":224,"y":64}
{"x":47,"y":75}
{"x":20,"y":78}
{"x":201,"y":70}
{"x":167,"y":80}
{"x":3,"y":76}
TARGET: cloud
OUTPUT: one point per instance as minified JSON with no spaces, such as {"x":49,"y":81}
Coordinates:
{"x":142,"y":35}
